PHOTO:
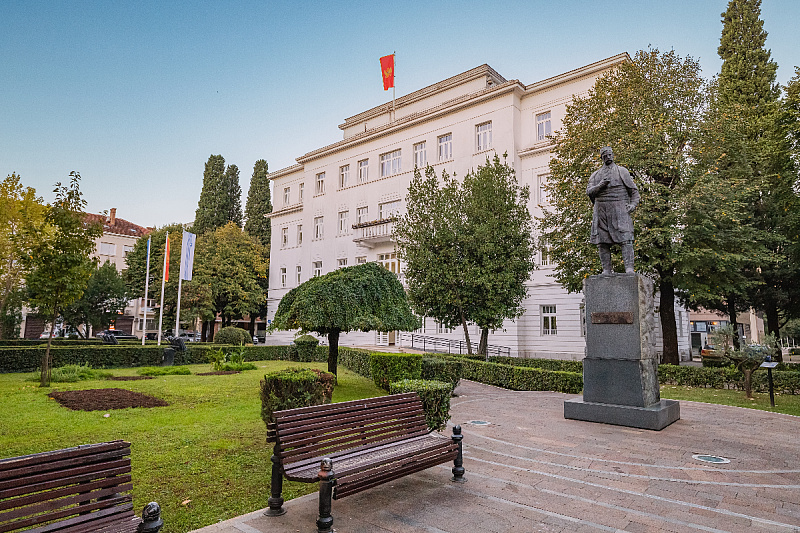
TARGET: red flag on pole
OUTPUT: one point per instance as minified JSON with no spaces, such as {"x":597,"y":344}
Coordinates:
{"x":387,"y":70}
{"x":166,"y":261}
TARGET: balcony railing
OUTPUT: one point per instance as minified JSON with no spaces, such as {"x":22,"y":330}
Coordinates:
{"x":441,"y":345}
{"x":369,"y":234}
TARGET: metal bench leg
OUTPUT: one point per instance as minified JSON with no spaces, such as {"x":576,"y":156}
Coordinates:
{"x":458,"y":464}
{"x":276,"y":489}
{"x":327,"y":480}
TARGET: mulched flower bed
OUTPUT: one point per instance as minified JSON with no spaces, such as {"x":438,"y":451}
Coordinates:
{"x":219,"y":373}
{"x":129,"y":378}
{"x":104,"y":399}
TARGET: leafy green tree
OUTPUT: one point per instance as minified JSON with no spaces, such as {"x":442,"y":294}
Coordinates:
{"x":230,"y":263}
{"x":221,"y":198}
{"x":233,"y":196}
{"x":59,"y":263}
{"x":22,"y":220}
{"x":648,"y":110}
{"x":106,"y":296}
{"x":362,"y":297}
{"x":258,"y":205}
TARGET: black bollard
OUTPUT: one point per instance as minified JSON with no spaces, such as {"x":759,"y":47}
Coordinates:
{"x":327,"y":480}
{"x":458,"y":464}
{"x":151,"y":519}
{"x":276,"y":487}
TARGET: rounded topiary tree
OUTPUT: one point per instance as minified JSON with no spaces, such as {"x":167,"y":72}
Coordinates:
{"x":233,"y":335}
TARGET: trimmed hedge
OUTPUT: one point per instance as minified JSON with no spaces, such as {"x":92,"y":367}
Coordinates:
{"x":292,"y":388}
{"x":233,"y":335}
{"x":304,"y":348}
{"x":103,"y":356}
{"x":522,"y":378}
{"x":435,"y":396}
{"x":387,"y":368}
{"x":356,"y":360}
{"x":441,"y":369}
{"x":61,"y":341}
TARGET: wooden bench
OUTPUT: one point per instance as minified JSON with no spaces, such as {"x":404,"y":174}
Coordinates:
{"x":365,"y":442}
{"x":75,"y":490}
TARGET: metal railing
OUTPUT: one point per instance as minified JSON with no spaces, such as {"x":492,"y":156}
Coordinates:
{"x":452,"y":346}
{"x":381,"y":229}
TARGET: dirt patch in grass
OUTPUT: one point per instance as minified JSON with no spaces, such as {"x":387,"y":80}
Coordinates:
{"x":129,"y":378}
{"x":219,"y":373}
{"x":104,"y":399}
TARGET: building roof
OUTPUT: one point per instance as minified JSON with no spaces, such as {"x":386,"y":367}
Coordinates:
{"x":117,"y":226}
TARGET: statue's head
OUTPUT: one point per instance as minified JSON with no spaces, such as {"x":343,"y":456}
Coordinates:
{"x":607,"y":155}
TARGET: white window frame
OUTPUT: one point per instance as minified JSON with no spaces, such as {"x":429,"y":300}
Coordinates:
{"x":483,"y":136}
{"x":319,"y":183}
{"x":361,"y":260}
{"x":445,"y":143}
{"x":549,"y":314}
{"x":542,"y":182}
{"x":344,"y":176}
{"x":317,"y":269}
{"x":283,"y":276}
{"x":544,"y":254}
{"x":362,"y":214}
{"x":287,"y":195}
{"x":390,"y":163}
{"x":299,"y":234}
{"x":388,"y":209}
{"x":420,"y":155}
{"x":319,"y":228}
{"x":543,"y":126}
{"x":299,"y":273}
{"x":343,"y":222}
{"x":126,"y":249}
{"x":284,"y":237}
{"x":341,"y":262}
{"x":108,"y":248}
{"x":363,"y":171}
{"x":300,"y":190}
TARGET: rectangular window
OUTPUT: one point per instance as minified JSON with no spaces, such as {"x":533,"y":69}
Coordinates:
{"x":299,"y":274}
{"x":583,"y":319}
{"x":543,"y":129}
{"x":389,"y":262}
{"x":287,"y":194}
{"x":343,"y":225}
{"x":390,"y":163}
{"x":543,"y":198}
{"x":126,"y":249}
{"x":300,"y":192}
{"x":548,"y":320}
{"x":363,"y":171}
{"x":483,"y":133}
{"x":299,"y":234}
{"x":544,"y":253}
{"x":317,"y":268}
{"x":319,"y":184}
{"x":341,"y":263}
{"x":361,"y":260}
{"x":318,"y":228}
{"x":420,"y":158}
{"x":283,"y":276}
{"x":344,"y":176}
{"x":362,"y":214}
{"x":446,"y":147}
{"x":388,"y":209}
{"x":108,"y":248}
{"x":284,"y":237}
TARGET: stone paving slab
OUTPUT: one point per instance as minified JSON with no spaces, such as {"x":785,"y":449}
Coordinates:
{"x":531,"y":470}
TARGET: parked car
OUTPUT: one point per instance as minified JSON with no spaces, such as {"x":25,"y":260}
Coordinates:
{"x":120,"y":335}
{"x":190,"y":336}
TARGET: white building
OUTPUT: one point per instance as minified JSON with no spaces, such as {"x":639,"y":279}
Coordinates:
{"x":333,"y":208}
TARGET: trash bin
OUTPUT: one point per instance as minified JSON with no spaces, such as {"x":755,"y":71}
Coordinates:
{"x":169,"y":357}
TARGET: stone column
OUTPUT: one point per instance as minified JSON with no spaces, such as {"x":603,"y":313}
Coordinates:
{"x":620,"y":371}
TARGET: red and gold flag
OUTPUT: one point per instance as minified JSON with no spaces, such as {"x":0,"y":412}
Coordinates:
{"x":387,"y":71}
{"x":166,"y":261}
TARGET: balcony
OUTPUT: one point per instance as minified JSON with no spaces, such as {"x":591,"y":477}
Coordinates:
{"x":369,"y":234}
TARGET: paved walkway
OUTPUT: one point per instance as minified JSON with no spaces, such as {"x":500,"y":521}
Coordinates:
{"x":530,"y":470}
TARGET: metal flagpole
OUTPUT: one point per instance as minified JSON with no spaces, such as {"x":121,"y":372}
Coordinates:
{"x":394,"y":84}
{"x":146,"y":290}
{"x":178,"y":310}
{"x":161,"y":309}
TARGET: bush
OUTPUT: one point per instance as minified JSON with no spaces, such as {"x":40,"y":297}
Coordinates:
{"x":442,"y":369}
{"x":356,"y":360}
{"x":435,"y":396}
{"x":230,"y":360}
{"x":72,"y":374}
{"x":293,"y":388}
{"x":305,"y":347}
{"x":19,"y":359}
{"x":164,"y":371}
{"x":387,"y":368}
{"x":233,"y":335}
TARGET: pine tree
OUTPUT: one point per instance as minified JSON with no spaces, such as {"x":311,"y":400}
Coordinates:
{"x":258,"y":205}
{"x":208,"y":216}
{"x":232,"y":199}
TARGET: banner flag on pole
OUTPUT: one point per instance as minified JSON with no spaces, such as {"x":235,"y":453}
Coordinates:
{"x":166,"y":261}
{"x":187,"y":255}
{"x":387,"y":71}
{"x":146,"y":291}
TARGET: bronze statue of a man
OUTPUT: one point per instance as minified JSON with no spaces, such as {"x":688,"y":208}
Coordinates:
{"x":614,"y":196}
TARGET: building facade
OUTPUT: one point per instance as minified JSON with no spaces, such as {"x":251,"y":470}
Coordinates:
{"x":335,"y":207}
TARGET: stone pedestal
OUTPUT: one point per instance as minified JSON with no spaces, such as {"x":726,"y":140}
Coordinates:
{"x":620,"y":371}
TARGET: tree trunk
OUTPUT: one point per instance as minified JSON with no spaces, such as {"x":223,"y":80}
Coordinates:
{"x":466,"y":331}
{"x":773,"y":319}
{"x":483,"y":345}
{"x":46,"y":374}
{"x":669,"y":330}
{"x":748,"y":382}
{"x":731,"y":301}
{"x":252,"y":327}
{"x":333,"y":351}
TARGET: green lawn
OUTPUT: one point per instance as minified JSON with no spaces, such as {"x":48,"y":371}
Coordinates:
{"x":788,"y":404}
{"x":204,"y":458}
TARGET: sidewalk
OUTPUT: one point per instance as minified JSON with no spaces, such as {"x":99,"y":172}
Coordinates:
{"x":529,"y":470}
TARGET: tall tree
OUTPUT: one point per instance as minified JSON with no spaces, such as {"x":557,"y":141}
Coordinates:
{"x":233,"y":196}
{"x":106,"y":296}
{"x":211,"y":212}
{"x":648,"y":110}
{"x":259,"y":204}
{"x":358,"y":298}
{"x":59,"y":263}
{"x":22,"y":221}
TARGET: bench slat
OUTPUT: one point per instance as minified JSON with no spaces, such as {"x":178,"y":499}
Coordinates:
{"x":49,"y":457}
{"x":73,"y":504}
{"x":109,"y":518}
{"x":57,"y":515}
{"x":349,"y":419}
{"x":33,"y":496}
{"x":288,"y":414}
{"x":21,"y":485}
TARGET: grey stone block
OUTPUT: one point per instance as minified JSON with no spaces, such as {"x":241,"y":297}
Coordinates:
{"x":621,"y":381}
{"x":655,"y":417}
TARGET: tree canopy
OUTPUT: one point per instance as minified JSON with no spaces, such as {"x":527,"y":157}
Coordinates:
{"x":221,"y":197}
{"x":258,"y":205}
{"x":106,"y":296}
{"x":363,"y":297}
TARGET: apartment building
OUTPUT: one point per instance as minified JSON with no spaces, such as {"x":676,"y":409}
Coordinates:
{"x":335,"y":207}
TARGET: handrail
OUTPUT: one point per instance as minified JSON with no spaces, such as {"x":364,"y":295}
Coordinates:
{"x":442,"y":345}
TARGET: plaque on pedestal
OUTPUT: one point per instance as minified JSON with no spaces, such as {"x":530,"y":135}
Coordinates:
{"x":620,"y":371}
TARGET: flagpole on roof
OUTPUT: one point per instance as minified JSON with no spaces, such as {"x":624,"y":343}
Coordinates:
{"x":163,"y":275}
{"x":146,"y":290}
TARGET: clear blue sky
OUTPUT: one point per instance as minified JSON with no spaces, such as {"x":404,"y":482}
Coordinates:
{"x":136,"y":95}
